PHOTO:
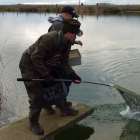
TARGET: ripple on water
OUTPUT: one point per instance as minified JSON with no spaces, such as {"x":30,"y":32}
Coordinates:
{"x":107,"y":113}
{"x":129,"y":81}
{"x":127,"y":113}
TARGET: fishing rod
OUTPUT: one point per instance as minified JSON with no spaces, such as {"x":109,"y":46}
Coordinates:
{"x":63,"y":80}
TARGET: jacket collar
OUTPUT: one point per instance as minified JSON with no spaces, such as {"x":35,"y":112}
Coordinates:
{"x":62,"y":38}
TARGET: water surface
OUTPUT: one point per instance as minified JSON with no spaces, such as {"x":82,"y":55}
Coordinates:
{"x":110,"y":55}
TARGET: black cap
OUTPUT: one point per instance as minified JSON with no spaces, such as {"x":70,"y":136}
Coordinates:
{"x":70,"y":10}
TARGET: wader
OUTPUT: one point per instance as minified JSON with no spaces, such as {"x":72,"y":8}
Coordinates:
{"x":36,"y":98}
{"x":34,"y":88}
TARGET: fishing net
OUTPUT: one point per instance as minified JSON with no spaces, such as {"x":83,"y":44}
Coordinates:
{"x":54,"y":92}
{"x":132,"y":99}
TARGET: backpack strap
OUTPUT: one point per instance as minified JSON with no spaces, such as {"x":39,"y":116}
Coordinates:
{"x":58,"y":40}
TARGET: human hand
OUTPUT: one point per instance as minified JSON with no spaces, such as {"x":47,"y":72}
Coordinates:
{"x":49,"y":79}
{"x":78,"y":82}
{"x":74,"y":76}
{"x":78,"y":42}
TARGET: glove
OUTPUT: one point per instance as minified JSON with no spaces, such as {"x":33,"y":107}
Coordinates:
{"x":49,"y":79}
{"x":74,"y":76}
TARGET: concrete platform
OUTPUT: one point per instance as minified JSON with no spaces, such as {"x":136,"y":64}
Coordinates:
{"x":52,"y":125}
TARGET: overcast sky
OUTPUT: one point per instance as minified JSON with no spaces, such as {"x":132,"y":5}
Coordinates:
{"x":86,"y":2}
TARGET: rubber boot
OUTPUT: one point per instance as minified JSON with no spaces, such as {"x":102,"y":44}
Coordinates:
{"x":67,"y":103}
{"x":36,"y":129}
{"x":49,"y":109}
{"x":66,"y":110}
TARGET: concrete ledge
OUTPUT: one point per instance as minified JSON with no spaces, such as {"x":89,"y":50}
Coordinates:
{"x":52,"y":125}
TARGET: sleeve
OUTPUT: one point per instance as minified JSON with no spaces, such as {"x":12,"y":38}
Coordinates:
{"x":65,"y":61}
{"x":56,"y":26}
{"x":42,"y":50}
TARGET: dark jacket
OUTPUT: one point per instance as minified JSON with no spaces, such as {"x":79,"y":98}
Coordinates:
{"x":33,"y":60}
{"x":56,"y":23}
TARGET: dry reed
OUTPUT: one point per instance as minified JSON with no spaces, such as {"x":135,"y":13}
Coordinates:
{"x":99,"y":8}
{"x":3,"y":87}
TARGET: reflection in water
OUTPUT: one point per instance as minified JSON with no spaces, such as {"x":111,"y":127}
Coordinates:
{"x":110,"y":55}
{"x":76,"y":132}
{"x":131,"y":131}
{"x":108,"y":113}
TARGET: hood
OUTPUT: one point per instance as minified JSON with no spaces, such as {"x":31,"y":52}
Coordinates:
{"x":53,"y":19}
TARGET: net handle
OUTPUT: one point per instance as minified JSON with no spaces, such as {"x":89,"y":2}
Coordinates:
{"x":27,"y":79}
{"x":65,"y":80}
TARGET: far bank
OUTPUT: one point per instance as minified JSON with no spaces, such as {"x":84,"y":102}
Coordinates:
{"x":95,"y":9}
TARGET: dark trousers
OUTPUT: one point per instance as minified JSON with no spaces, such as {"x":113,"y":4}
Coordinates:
{"x":36,"y":101}
{"x":35,"y":93}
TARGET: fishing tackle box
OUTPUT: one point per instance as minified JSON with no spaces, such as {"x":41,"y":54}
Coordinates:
{"x":74,"y":57}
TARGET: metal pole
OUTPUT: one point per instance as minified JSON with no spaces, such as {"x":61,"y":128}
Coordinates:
{"x":65,"y":80}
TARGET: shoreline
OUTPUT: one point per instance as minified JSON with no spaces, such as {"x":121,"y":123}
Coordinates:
{"x":95,"y":9}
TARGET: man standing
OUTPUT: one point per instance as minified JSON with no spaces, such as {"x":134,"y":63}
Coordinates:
{"x":57,"y":22}
{"x":35,"y":64}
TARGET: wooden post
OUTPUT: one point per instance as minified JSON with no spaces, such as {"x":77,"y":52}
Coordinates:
{"x":0,"y":100}
{"x":79,"y":7}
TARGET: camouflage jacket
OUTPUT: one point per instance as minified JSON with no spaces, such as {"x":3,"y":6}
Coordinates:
{"x":33,"y":60}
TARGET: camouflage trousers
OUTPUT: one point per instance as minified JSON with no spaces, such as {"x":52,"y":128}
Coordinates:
{"x":36,"y":101}
{"x":34,"y":88}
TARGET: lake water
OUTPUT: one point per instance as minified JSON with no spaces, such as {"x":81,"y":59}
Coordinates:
{"x":110,"y":55}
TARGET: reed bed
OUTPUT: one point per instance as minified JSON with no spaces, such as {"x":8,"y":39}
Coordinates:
{"x":98,"y":8}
